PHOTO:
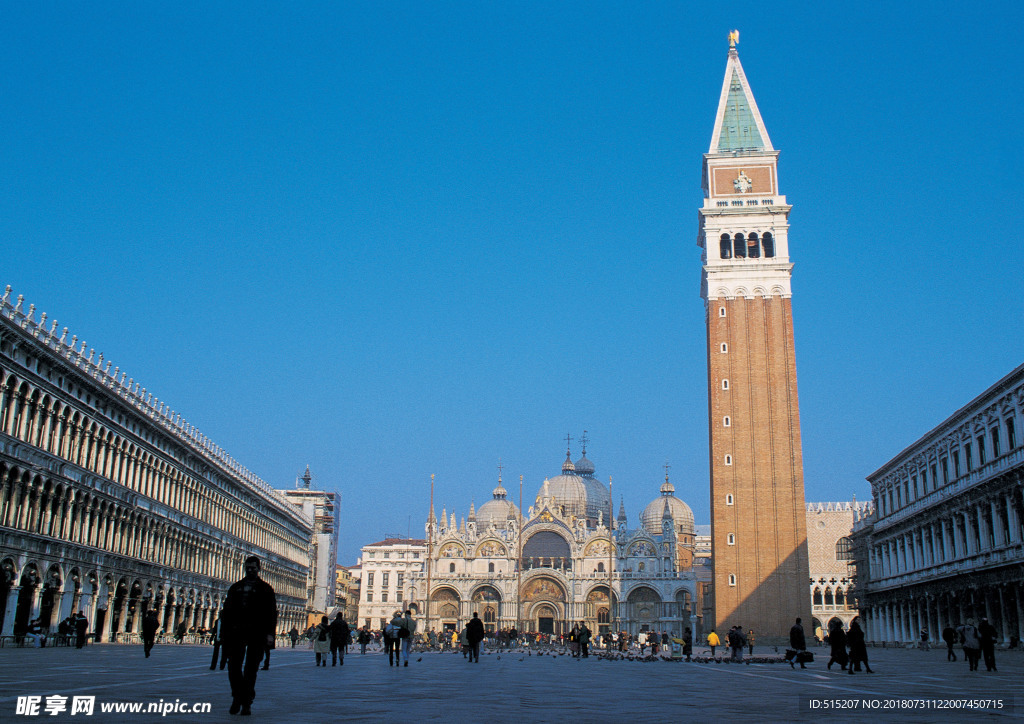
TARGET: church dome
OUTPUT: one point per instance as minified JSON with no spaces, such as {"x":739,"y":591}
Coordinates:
{"x":584,"y":466}
{"x":499,"y":509}
{"x":567,"y":490}
{"x":682,"y":516}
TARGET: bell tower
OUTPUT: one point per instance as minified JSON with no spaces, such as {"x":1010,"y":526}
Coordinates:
{"x":758,"y":519}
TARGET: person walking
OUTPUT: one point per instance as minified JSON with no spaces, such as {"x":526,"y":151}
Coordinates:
{"x":150,"y":623}
{"x":294,"y":636}
{"x":340,"y":635}
{"x":837,"y":642}
{"x":363,"y":639}
{"x":322,"y":641}
{"x":987,"y":635}
{"x":949,"y":636}
{"x":249,"y":620}
{"x":687,"y":643}
{"x":713,"y":641}
{"x":798,"y":642}
{"x":971,"y":643}
{"x":750,"y":642}
{"x":584,"y":638}
{"x":474,"y":634}
{"x":392,"y":643}
{"x":858,"y":649}
{"x":81,"y":629}
{"x":405,"y":634}
{"x":215,"y":638}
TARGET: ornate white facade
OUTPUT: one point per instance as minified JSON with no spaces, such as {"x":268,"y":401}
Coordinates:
{"x":385,"y":571}
{"x":945,"y":541}
{"x":111,"y":503}
{"x":564,"y":561}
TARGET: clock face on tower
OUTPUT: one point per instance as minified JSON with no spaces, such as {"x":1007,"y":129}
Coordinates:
{"x":743,"y":183}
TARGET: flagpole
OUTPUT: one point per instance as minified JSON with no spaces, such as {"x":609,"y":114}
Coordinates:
{"x":611,"y":564}
{"x":519,"y":562}
{"x":430,"y":554}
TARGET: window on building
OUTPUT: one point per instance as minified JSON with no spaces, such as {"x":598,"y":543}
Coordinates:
{"x":728,"y":459}
{"x":829,"y":601}
{"x":728,"y":499}
{"x":451,"y":568}
{"x":384,"y":582}
{"x":1011,"y":435}
{"x":899,"y":499}
{"x":726,"y":422}
{"x":369,"y":596}
{"x":725,"y":247}
{"x":387,"y":554}
{"x":401,"y":554}
{"x":725,"y":384}
{"x":816,"y":600}
{"x":995,"y":442}
{"x":844,"y":549}
{"x":739,"y":247}
{"x":399,"y":579}
{"x":415,"y":554}
{"x":968,"y":457}
{"x":913,"y":482}
{"x":369,"y":580}
{"x":935,"y":478}
{"x":732,"y":579}
{"x":769,"y":246}
{"x":753,"y":246}
{"x":600,"y":567}
{"x":956,"y":463}
{"x":981,"y":450}
{"x":372,"y":554}
{"x":721,"y":311}
{"x":945,"y":471}
{"x":732,"y":539}
{"x":490,"y":568}
{"x":384,"y":597}
{"x":840,"y":598}
{"x":724,"y":348}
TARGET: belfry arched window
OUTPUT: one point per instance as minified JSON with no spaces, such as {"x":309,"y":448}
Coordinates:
{"x":725,"y":247}
{"x":739,"y":246}
{"x":828,"y":597}
{"x":817,"y":597}
{"x":769,"y":246}
{"x":753,"y":246}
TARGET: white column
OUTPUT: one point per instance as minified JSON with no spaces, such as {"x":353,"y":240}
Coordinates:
{"x":12,"y":607}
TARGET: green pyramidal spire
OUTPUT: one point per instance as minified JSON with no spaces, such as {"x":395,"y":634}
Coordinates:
{"x":738,"y":125}
{"x":738,"y":131}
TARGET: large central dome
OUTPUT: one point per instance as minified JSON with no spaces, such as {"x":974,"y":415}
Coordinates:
{"x":577,"y":490}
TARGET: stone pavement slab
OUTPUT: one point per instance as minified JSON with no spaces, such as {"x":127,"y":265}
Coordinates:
{"x":513,"y":688}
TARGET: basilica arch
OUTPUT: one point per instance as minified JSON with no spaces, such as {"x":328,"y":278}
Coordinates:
{"x":544,"y":605}
{"x":487,"y":603}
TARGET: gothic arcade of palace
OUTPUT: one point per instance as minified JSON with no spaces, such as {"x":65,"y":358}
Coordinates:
{"x":111,"y":504}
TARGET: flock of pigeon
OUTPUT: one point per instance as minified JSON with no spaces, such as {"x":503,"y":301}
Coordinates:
{"x":601,"y":655}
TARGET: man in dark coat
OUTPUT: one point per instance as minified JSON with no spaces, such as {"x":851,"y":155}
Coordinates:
{"x":797,"y":642}
{"x":949,"y":636}
{"x":340,"y":636}
{"x":248,"y":623}
{"x":987,"y":634}
{"x":81,"y":628}
{"x":475,"y":634}
{"x":150,"y":623}
{"x":216,"y":634}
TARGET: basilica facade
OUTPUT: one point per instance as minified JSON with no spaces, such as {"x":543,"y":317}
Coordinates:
{"x":563,"y":560}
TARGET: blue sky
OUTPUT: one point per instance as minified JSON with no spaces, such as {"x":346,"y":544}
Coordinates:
{"x":394,"y":239}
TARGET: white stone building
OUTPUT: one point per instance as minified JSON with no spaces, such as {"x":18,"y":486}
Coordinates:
{"x":385,"y":569}
{"x":945,"y":541}
{"x":833,"y":569}
{"x":562,"y":562}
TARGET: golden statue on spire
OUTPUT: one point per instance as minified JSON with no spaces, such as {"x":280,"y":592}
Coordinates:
{"x":734,"y":38}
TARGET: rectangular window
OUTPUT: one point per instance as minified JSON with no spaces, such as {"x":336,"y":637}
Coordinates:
{"x":371,"y":554}
{"x":369,"y":580}
{"x":913,"y":482}
{"x":385,"y":582}
{"x":369,"y":596}
{"x":1011,"y":435}
{"x":384,"y":597}
{"x":935,"y":478}
{"x":387,"y":554}
{"x":416,"y":554}
{"x":956,"y":463}
{"x":995,"y":442}
{"x":968,"y":457}
{"x":399,"y":581}
{"x":945,"y":470}
{"x":401,"y":554}
{"x":981,"y":450}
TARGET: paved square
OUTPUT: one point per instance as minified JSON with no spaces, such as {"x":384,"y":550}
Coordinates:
{"x":515,"y":688}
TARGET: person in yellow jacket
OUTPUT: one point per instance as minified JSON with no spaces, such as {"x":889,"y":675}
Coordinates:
{"x":713,"y":641}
